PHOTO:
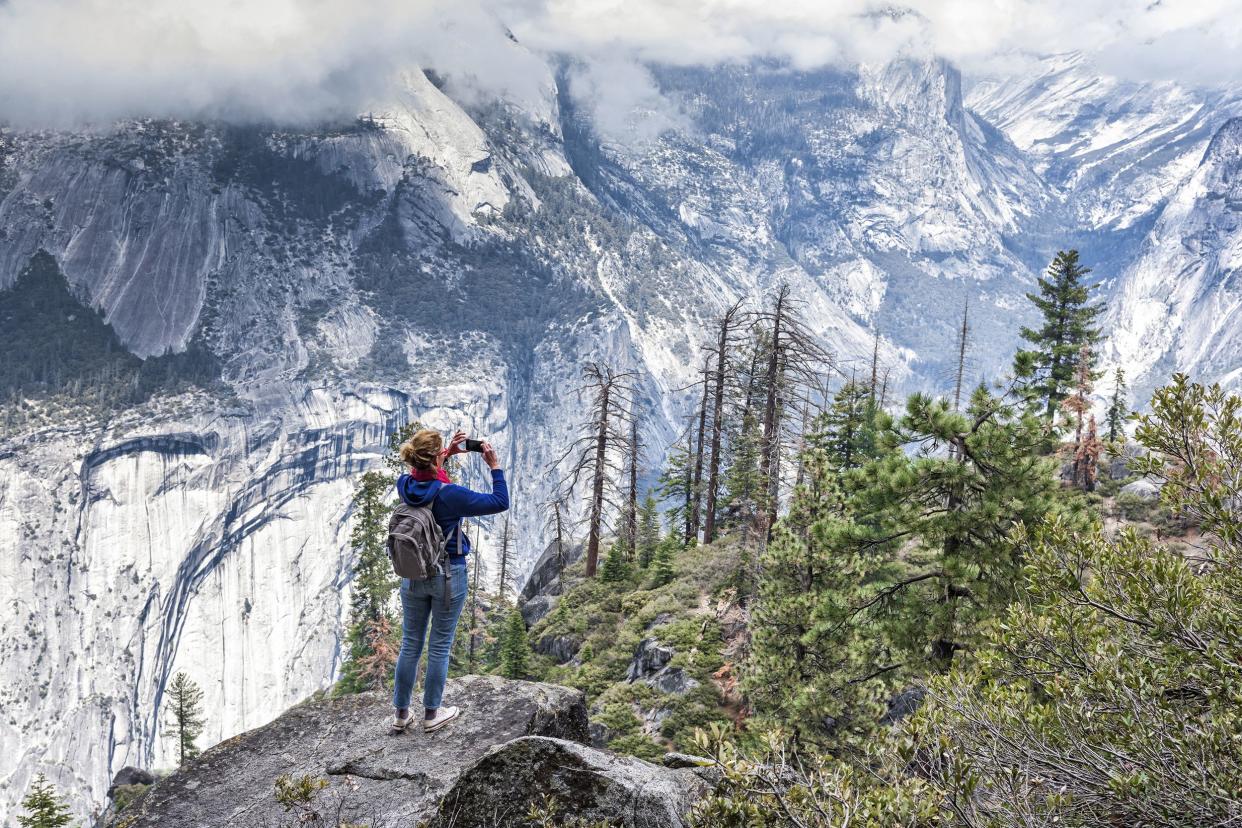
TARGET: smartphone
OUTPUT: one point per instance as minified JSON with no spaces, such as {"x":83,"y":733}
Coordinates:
{"x":474,"y":445}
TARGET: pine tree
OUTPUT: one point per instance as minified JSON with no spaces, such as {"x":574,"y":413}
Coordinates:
{"x":504,"y":583}
{"x":1068,"y":323}
{"x":662,"y":565}
{"x":616,"y":564}
{"x":882,"y":573}
{"x":743,"y":483}
{"x":676,"y":484}
{"x":44,"y":809}
{"x":847,"y":429}
{"x":648,"y":531}
{"x":374,"y":581}
{"x":514,"y":647}
{"x":185,"y":708}
{"x":1118,"y":408}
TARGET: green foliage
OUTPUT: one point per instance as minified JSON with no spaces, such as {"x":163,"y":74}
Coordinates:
{"x":374,"y":580}
{"x":881,"y":574}
{"x":125,"y":795}
{"x":515,"y":647}
{"x":847,"y":432}
{"x":185,"y":709}
{"x":616,"y":567}
{"x":610,"y":623}
{"x":743,"y":481}
{"x":43,"y":807}
{"x":1114,"y":685}
{"x":778,"y":786}
{"x":1118,"y":408}
{"x":648,"y":530}
{"x":1069,"y":321}
{"x":662,"y":565}
{"x":297,"y":792}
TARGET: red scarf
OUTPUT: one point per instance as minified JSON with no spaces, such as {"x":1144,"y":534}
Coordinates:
{"x":428,"y":475}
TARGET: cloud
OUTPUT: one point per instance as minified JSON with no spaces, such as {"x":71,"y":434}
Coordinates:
{"x":1187,"y":41}
{"x":68,"y":62}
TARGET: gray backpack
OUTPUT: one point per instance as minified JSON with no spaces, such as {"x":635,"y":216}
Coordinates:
{"x":417,"y":546}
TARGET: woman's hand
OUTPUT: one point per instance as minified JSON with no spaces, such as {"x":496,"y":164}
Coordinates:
{"x":489,"y":457}
{"x":456,"y":445}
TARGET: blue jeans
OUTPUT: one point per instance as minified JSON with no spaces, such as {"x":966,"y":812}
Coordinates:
{"x":420,"y":601}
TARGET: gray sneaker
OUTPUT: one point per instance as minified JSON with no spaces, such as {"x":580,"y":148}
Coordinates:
{"x":399,"y":724}
{"x":443,"y":716}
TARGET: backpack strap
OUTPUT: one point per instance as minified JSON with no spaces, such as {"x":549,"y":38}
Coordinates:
{"x":445,"y":567}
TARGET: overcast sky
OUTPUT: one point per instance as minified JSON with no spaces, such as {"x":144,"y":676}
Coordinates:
{"x":63,"y":62}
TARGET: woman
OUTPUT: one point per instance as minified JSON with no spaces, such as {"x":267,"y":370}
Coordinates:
{"x":427,"y":484}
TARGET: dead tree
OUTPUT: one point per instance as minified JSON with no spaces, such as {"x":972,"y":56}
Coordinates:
{"x":963,"y":338}
{"x":506,"y":576}
{"x":725,"y":342}
{"x":697,"y":487}
{"x":598,"y":455}
{"x":631,"y":499}
{"x":555,"y":525}
{"x":794,"y":359}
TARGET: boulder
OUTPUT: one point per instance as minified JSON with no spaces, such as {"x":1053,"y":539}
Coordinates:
{"x":534,"y":610}
{"x":586,"y":784}
{"x":650,"y":657}
{"x":600,"y":734}
{"x":544,"y":577}
{"x":131,"y":776}
{"x":374,"y":778}
{"x":673,"y":680}
{"x":687,"y":760}
{"x":561,"y":648}
{"x":902,"y":705}
{"x":1144,"y":488}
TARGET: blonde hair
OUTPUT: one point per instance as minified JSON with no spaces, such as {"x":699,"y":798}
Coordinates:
{"x":421,"y":450}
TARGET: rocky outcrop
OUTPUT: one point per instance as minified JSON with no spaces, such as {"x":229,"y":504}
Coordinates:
{"x":651,"y":665}
{"x":516,"y":743}
{"x":585,"y":783}
{"x":560,"y":648}
{"x":649,"y":659}
{"x":372,"y":777}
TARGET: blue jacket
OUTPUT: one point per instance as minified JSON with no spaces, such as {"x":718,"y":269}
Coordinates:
{"x":453,"y":502}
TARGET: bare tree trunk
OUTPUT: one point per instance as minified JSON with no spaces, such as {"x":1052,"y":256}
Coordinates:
{"x":631,"y":505}
{"x":695,"y":512}
{"x":597,"y":483}
{"x":713,"y":472}
{"x":875,"y":364}
{"x":503,"y":587}
{"x":560,"y":540}
{"x":961,"y":357}
{"x":770,"y":420}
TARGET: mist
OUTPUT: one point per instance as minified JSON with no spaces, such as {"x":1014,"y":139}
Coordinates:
{"x":71,"y":63}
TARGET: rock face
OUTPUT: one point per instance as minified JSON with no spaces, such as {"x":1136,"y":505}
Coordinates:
{"x":561,"y":648}
{"x":586,"y":783}
{"x":649,"y":659}
{"x":374,"y":778}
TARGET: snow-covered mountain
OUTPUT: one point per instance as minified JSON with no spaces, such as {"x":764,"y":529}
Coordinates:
{"x":457,"y":260}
